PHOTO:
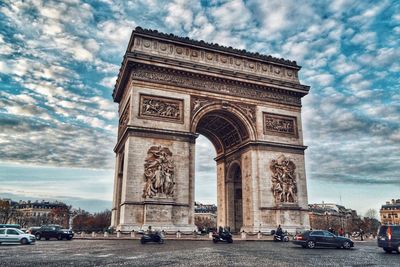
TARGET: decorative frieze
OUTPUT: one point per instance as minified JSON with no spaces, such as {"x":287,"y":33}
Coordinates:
{"x":161,"y":108}
{"x":159,"y":171}
{"x":217,"y":59}
{"x":284,"y":186}
{"x":280,"y":125}
{"x":213,"y":84}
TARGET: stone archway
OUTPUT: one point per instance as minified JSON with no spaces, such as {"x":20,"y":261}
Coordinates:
{"x":169,"y":90}
{"x":228,"y":128}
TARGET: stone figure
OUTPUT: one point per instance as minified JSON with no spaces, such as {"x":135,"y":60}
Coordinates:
{"x":284,"y":187}
{"x":159,"y":173}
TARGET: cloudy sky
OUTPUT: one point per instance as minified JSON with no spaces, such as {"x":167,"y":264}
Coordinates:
{"x":59,"y":61}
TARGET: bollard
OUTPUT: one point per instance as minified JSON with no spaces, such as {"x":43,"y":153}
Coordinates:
{"x":259,"y":235}
{"x":118,"y":234}
{"x":93,"y":234}
{"x":210,"y":235}
{"x":243,"y":235}
{"x":133,"y":234}
{"x":83,"y":234}
{"x":178,"y":234}
{"x":105,"y":234}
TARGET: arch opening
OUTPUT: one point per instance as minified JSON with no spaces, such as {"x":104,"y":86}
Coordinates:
{"x":227,"y":131}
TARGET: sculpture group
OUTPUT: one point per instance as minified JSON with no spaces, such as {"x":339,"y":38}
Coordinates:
{"x":284,"y":185}
{"x":159,"y":173}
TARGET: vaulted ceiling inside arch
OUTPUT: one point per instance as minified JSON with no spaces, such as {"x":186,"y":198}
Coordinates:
{"x":223,"y":129}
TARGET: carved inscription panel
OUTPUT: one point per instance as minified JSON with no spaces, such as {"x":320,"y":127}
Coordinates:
{"x":280,"y":125}
{"x":161,"y":108}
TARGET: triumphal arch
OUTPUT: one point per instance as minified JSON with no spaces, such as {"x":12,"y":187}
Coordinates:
{"x":171,"y":89}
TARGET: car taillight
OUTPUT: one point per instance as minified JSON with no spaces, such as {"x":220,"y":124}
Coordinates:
{"x":299,"y":237}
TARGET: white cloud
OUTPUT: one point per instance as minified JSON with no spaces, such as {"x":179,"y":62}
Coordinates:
{"x":364,"y":38}
{"x":180,"y":14}
{"x":108,"y":82}
{"x":343,"y":65}
{"x":231,"y":15}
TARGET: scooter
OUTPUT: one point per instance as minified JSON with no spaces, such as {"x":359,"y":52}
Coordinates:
{"x":224,"y":237}
{"x":283,"y":238}
{"x":152,"y":237}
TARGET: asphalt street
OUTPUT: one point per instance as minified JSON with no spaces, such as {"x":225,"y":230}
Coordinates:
{"x":189,"y":253}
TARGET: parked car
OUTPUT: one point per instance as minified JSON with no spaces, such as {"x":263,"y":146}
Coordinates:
{"x":52,"y":231}
{"x":389,"y":238}
{"x":13,"y":235}
{"x":311,"y":239}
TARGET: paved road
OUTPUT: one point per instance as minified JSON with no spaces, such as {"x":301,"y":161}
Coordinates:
{"x":189,"y":253}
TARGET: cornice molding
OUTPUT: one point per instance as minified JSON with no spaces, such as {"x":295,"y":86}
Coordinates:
{"x":186,"y":79}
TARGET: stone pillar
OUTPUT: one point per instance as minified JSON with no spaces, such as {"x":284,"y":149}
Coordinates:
{"x":221,"y":201}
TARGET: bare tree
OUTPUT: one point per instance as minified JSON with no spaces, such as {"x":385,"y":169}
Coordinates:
{"x":7,"y":212}
{"x":371,"y":213}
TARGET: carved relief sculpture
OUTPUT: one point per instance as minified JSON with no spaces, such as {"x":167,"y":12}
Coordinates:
{"x":123,"y":121}
{"x":161,"y":107}
{"x":284,"y":186}
{"x":159,"y":173}
{"x":280,"y":125}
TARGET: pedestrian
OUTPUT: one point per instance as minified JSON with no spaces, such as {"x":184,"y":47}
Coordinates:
{"x":361,"y":234}
{"x":341,"y":232}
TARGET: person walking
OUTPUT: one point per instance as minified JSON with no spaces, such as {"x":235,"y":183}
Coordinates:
{"x":341,"y":232}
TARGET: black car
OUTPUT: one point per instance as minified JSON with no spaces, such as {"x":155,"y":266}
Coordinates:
{"x":389,"y":238}
{"x":52,"y":231}
{"x":311,"y":239}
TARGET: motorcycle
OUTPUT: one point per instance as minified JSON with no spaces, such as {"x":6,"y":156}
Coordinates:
{"x":282,"y":238}
{"x":152,"y":237}
{"x":224,"y":237}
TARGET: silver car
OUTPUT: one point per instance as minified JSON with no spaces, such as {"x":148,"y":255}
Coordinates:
{"x":13,"y":235}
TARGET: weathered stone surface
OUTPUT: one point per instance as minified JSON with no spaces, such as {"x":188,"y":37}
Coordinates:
{"x":170,"y":92}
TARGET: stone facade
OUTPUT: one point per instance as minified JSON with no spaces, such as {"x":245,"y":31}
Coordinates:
{"x":390,"y":212}
{"x":169,"y":90}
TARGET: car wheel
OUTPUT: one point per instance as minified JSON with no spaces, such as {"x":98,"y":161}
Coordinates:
{"x":311,"y":244}
{"x":215,"y":240}
{"x":59,"y":237}
{"x":161,"y":241}
{"x":69,"y":238}
{"x":398,"y":249}
{"x":24,"y":241}
{"x":230,"y":240}
{"x":387,"y":250}
{"x":346,"y":245}
{"x":142,"y":241}
{"x":38,"y":236}
{"x":47,"y":238}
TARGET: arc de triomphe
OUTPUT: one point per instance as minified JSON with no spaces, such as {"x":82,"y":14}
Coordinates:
{"x":169,"y":90}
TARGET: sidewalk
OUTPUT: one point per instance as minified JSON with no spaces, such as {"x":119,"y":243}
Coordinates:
{"x":171,"y":237}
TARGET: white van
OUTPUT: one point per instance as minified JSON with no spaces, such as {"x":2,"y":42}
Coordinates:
{"x":13,"y":235}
